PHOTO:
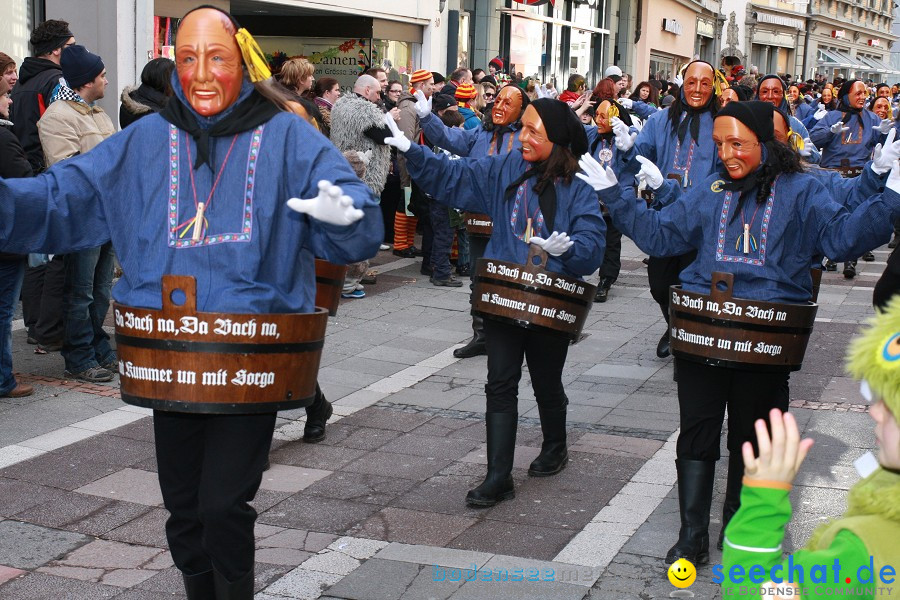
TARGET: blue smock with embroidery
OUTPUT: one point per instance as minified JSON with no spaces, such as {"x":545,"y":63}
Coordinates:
{"x":855,"y":145}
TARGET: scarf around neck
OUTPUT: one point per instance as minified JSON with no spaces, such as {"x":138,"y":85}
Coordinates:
{"x":546,"y":196}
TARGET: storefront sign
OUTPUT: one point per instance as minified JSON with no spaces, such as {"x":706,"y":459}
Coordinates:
{"x":340,"y":58}
{"x":837,"y":33}
{"x":672,"y":26}
{"x":705,"y":28}
{"x":536,"y":2}
{"x":874,"y":42}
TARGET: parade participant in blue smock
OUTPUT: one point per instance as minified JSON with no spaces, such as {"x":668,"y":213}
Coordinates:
{"x":496,"y":137}
{"x":848,"y":135}
{"x":763,"y":219}
{"x":532,"y":198}
{"x":773,"y":90}
{"x":200,"y":190}
{"x":678,"y":140}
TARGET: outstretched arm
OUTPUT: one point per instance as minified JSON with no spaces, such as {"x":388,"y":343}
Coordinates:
{"x":456,"y":140}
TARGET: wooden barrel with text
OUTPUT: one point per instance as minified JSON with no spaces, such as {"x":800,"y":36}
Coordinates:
{"x":530,"y":296}
{"x":182,"y":360}
{"x":329,"y":284}
{"x":721,"y":330}
{"x":479,"y":224}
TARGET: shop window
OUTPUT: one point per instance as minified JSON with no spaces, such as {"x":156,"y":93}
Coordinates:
{"x":395,"y":57}
{"x":661,"y":67}
{"x":343,"y":59}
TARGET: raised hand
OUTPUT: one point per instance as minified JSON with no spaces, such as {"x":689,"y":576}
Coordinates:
{"x":397,"y":139}
{"x":330,"y":206}
{"x":820,"y":113}
{"x":423,"y":104}
{"x":649,"y":173}
{"x":780,"y":454}
{"x":839,"y":128}
{"x":624,"y":139}
{"x":886,"y":155}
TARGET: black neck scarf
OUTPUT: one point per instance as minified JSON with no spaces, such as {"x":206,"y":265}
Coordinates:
{"x":499,"y":131}
{"x":246,"y":115}
{"x":608,"y":136}
{"x":546,"y":194}
{"x":691,"y":121}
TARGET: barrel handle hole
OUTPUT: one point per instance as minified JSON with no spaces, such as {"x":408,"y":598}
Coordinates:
{"x":535,"y":260}
{"x":722,"y":286}
{"x":178,"y":297}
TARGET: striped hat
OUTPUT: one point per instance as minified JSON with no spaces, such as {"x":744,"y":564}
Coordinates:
{"x":420,"y":75}
{"x":466,"y":92}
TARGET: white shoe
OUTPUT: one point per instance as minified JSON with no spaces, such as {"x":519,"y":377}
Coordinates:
{"x":384,"y":247}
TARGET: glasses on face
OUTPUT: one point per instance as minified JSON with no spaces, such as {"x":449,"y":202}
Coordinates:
{"x":489,"y":95}
{"x":394,"y":91}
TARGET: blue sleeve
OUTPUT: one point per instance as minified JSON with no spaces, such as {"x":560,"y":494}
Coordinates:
{"x":587,"y":229}
{"x":464,"y":183}
{"x":643,"y":109}
{"x":60,"y":210}
{"x":844,"y":235}
{"x":457,"y":141}
{"x":667,"y":232}
{"x":821,"y":134}
{"x":591,"y":132}
{"x":853,"y":191}
{"x":800,"y":129}
{"x":669,"y":192}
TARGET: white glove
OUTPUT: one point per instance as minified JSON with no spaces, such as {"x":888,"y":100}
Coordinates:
{"x":839,"y":128}
{"x":649,"y":173}
{"x":679,"y":80}
{"x":886,"y":155}
{"x":330,"y":206}
{"x":893,"y":181}
{"x":555,"y":245}
{"x":626,"y":102}
{"x":819,"y":114}
{"x":807,"y":148}
{"x":594,"y":174}
{"x":885,"y":126}
{"x":397,"y":139}
{"x":423,"y":104}
{"x":541,"y":91}
{"x":624,"y":139}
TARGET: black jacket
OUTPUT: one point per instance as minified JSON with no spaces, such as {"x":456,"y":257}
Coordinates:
{"x":139,"y":102}
{"x":12,"y":164}
{"x":38,"y":77}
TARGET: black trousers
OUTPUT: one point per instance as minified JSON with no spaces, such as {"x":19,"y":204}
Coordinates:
{"x":706,"y":392}
{"x":391,"y":198}
{"x":662,"y":273}
{"x":545,"y":354}
{"x":42,"y":300}
{"x":612,"y":257}
{"x":210,"y":467}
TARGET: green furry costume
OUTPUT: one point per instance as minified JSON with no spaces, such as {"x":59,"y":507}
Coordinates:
{"x":866,"y":537}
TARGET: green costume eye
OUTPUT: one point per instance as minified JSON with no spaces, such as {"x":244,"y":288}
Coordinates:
{"x":891,"y":350}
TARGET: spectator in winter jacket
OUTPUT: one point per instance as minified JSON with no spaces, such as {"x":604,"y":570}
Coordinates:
{"x":12,"y":266}
{"x":151,"y":96}
{"x":38,"y":78}
{"x":327,"y":90}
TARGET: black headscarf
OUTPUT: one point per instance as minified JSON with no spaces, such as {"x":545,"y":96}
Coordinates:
{"x":758,"y":117}
{"x":691,"y":122}
{"x":245,"y":115}
{"x":844,"y":101}
{"x":784,"y":106}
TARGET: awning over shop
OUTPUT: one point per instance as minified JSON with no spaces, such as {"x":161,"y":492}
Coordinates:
{"x":874,"y":64}
{"x":846,"y":59}
{"x":832,"y":59}
{"x":779,"y":20}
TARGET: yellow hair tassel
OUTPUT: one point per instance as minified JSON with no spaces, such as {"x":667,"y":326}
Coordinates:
{"x":719,"y":82}
{"x":257,"y":66}
{"x":795,"y":140}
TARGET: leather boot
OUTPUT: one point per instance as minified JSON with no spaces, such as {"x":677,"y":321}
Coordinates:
{"x":553,"y":456}
{"x":199,"y":587}
{"x":501,"y":447}
{"x":242,"y":589}
{"x":662,"y":348}
{"x":476,"y":346}
{"x":733,"y":486}
{"x":316,"y":415}
{"x":603,"y":289}
{"x":695,"y":487}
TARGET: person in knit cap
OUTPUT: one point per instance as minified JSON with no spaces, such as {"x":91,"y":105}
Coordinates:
{"x":495,"y":66}
{"x":532,"y":197}
{"x":497,"y":136}
{"x":862,"y":541}
{"x":465,"y":97}
{"x":769,"y":255}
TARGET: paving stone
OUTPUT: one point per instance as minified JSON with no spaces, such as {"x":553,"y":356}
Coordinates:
{"x":412,"y":527}
{"x":397,"y":465}
{"x":61,"y":471}
{"x":432,"y":555}
{"x":361,"y":487}
{"x":376,"y":579}
{"x":27,"y":546}
{"x":8,"y":573}
{"x":103,"y":554}
{"x":126,"y":578}
{"x":284,"y":478}
{"x":303,"y":584}
{"x":139,"y":594}
{"x":364,"y":438}
{"x":420,"y":445}
{"x":315,"y":456}
{"x":71,"y":507}
{"x":266,"y":499}
{"x":543,"y":570}
{"x":298,"y":539}
{"x":129,"y":485}
{"x":111,"y":449}
{"x":282,"y":556}
{"x":139,"y":430}
{"x":39,"y":586}
{"x":19,"y":496}
{"x":393,"y":420}
{"x":328,"y":514}
{"x":80,"y":573}
{"x":522,"y":590}
{"x":443,"y":493}
{"x":518,"y":539}
{"x":146,"y":530}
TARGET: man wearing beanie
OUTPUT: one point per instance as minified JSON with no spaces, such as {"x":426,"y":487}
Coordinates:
{"x":72,"y":125}
{"x":533,"y":198}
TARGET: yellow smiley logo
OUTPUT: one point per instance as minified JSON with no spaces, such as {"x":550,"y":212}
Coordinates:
{"x":682,"y":573}
{"x":716,"y":185}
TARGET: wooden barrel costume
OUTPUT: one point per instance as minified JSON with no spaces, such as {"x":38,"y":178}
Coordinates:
{"x":530,"y":296}
{"x":721,"y":330}
{"x":479,"y":224}
{"x":182,"y":360}
{"x":329,"y":284}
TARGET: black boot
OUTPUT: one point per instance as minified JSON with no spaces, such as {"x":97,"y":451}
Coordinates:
{"x":603,"y":289}
{"x":850,"y":269}
{"x":662,"y":348}
{"x":695,"y":487}
{"x":316,"y":416}
{"x":476,"y":346}
{"x":733,"y":487}
{"x":242,"y":589}
{"x":553,"y":456}
{"x":199,"y":587}
{"x":501,"y":446}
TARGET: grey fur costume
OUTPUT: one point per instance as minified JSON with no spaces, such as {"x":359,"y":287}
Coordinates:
{"x":351,"y":116}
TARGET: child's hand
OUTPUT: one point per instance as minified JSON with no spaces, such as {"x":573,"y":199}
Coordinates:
{"x":780,"y":455}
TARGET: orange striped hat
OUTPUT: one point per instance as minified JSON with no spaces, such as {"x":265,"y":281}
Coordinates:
{"x":420,"y":75}
{"x":466,"y":92}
